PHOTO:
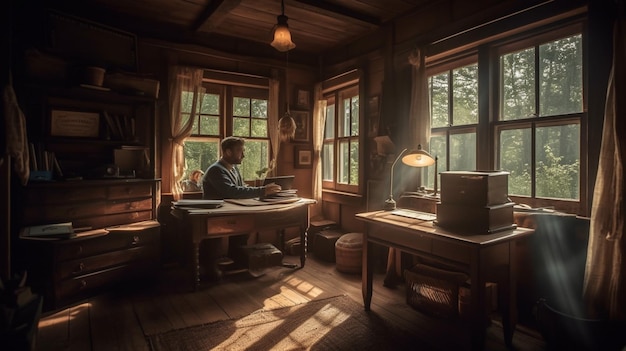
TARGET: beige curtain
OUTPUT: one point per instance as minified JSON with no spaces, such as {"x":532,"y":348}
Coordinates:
{"x":604,"y":285}
{"x":319,"y":120}
{"x":190,"y":80}
{"x":419,"y":110}
{"x":272,"y":123}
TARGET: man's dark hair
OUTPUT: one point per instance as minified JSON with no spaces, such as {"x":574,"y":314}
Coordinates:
{"x":230,"y":142}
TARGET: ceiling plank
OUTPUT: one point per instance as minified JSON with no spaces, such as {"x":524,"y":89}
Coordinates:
{"x":213,"y":15}
{"x":336,"y":11}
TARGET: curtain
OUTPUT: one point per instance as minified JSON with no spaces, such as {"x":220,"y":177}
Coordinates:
{"x":419,"y":110}
{"x":319,"y":120}
{"x":272,"y":123}
{"x":182,"y":79}
{"x":604,"y":285}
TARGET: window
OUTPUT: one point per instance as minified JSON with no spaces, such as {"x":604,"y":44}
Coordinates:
{"x":453,"y":91}
{"x":532,"y":94}
{"x":340,"y":150}
{"x":541,"y":104}
{"x":228,"y":110}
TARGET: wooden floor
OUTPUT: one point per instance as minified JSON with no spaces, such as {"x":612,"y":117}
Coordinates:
{"x":123,"y":319}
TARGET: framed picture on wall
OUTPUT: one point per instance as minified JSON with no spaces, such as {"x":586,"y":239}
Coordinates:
{"x":303,"y":98}
{"x":303,"y":122}
{"x":303,"y":157}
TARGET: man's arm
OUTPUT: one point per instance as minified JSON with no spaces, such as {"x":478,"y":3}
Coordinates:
{"x":218,"y":183}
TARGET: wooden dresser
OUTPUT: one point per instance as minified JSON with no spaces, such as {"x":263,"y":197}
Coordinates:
{"x":65,"y":271}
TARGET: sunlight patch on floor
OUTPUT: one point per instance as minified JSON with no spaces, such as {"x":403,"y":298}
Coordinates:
{"x":63,"y":316}
{"x":304,"y":287}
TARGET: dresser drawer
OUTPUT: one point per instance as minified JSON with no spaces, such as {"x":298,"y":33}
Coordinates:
{"x":129,"y":191}
{"x":73,"y":289}
{"x":125,"y":206}
{"x":113,"y":241}
{"x":64,"y":212}
{"x":88,"y":265}
{"x":114,"y":219}
{"x":64,"y":195}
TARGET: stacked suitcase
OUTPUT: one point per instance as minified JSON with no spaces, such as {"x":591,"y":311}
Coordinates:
{"x":475,"y":202}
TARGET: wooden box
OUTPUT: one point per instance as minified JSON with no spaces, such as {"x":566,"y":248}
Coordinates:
{"x":466,"y":219}
{"x":483,"y":188}
{"x":259,"y":256}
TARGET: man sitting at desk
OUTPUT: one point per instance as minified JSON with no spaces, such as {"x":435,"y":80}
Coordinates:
{"x":222,"y":180}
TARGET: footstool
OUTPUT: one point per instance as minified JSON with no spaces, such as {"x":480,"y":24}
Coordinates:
{"x":349,"y":253}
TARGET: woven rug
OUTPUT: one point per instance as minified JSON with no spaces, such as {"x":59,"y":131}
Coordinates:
{"x":337,"y":323}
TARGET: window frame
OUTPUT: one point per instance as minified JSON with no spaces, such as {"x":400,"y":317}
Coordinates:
{"x":335,"y":93}
{"x":489,"y":124}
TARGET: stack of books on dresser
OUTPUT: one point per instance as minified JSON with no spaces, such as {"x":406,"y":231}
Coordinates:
{"x":475,"y":202}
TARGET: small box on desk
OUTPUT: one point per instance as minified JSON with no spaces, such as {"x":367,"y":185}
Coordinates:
{"x":480,"y":188}
{"x":475,"y":219}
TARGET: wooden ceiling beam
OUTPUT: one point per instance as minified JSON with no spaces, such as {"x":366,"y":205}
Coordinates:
{"x":337,"y":11}
{"x":213,"y":15}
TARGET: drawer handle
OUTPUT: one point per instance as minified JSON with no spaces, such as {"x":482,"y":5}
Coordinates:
{"x":81,"y":267}
{"x":136,"y":240}
{"x":83,"y":284}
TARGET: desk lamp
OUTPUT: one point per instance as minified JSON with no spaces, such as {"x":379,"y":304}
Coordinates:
{"x":414,"y":158}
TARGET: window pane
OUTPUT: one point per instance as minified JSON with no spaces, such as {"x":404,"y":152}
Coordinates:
{"x":465,"y":95}
{"x":209,"y":125}
{"x":210,"y":104}
{"x":439,"y":100}
{"x":328,"y":162}
{"x":259,"y":108}
{"x":558,"y":161}
{"x":463,"y":152}
{"x":515,"y":157}
{"x":201,"y":154}
{"x":241,"y":107}
{"x":256,"y":157}
{"x":518,"y":85}
{"x":241,"y":127}
{"x":329,"y":129}
{"x":354,"y":112}
{"x":561,"y":76}
{"x":344,"y":119}
{"x":344,"y":162}
{"x":354,"y":162}
{"x":259,"y":128}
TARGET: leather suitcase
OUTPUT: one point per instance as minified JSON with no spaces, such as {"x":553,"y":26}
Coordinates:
{"x":464,"y":219}
{"x":259,"y":256}
{"x":479,"y":188}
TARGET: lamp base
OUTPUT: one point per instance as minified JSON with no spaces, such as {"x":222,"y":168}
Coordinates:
{"x":390,"y":204}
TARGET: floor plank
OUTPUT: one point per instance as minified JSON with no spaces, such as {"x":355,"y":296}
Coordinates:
{"x":123,"y":319}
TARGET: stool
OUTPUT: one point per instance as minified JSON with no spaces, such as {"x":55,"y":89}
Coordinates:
{"x":349,"y":252}
{"x":324,"y":244}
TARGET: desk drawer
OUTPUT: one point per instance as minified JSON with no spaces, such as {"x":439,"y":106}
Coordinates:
{"x":229,"y":225}
{"x":451,"y":251}
{"x":408,"y":239}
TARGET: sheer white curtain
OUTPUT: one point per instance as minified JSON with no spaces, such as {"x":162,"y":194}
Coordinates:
{"x":272,"y":123}
{"x":605,"y":284}
{"x":182,"y":79}
{"x":319,"y":120}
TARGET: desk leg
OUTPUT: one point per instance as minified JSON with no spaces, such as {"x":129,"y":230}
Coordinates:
{"x":195,"y":265}
{"x":303,"y":245}
{"x":509,"y":291}
{"x":367,"y":273}
{"x":478,"y":308}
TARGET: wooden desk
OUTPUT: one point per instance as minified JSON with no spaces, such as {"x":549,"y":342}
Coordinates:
{"x":484,"y":257}
{"x":232,"y":219}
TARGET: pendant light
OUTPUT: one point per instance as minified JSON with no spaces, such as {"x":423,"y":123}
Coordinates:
{"x":282,"y":37}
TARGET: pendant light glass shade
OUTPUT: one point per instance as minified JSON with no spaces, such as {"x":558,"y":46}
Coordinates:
{"x":282,"y":37}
